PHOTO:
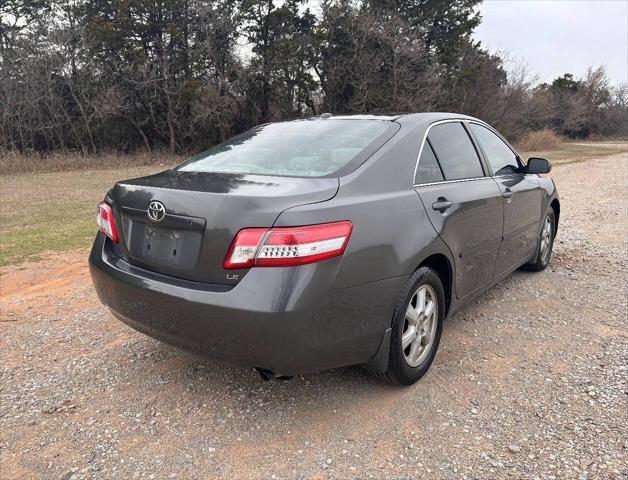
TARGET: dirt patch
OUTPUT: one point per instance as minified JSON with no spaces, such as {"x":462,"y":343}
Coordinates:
{"x":45,"y":287}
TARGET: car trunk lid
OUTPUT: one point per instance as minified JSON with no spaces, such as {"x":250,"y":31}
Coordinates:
{"x":202,"y":214}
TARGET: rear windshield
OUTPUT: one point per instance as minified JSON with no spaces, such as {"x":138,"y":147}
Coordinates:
{"x":302,"y":148}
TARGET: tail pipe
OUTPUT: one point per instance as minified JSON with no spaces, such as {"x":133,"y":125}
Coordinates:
{"x":269,"y":375}
{"x":265,"y":374}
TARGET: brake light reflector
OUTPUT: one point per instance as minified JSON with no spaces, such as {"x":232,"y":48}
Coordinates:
{"x":106,"y":221}
{"x":288,"y":246}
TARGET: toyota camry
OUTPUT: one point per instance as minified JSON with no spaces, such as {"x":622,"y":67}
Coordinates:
{"x":324,"y":242}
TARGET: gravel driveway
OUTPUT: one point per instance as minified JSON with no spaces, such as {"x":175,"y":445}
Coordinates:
{"x":530,"y":381}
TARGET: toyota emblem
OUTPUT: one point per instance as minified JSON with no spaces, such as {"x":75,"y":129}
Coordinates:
{"x":156,"y":211}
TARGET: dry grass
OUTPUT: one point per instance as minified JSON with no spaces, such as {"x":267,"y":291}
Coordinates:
{"x":540,"y":140}
{"x":42,"y":212}
{"x":602,"y":138}
{"x":12,"y":163}
{"x":570,"y":152}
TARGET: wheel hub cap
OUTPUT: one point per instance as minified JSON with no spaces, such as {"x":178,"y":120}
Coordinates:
{"x":420,"y":325}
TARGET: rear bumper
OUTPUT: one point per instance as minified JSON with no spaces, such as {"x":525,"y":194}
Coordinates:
{"x":287,"y":320}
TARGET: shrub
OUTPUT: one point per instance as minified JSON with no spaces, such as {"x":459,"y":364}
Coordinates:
{"x":540,"y":140}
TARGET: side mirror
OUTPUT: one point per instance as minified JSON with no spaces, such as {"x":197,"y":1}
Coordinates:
{"x":539,"y":165}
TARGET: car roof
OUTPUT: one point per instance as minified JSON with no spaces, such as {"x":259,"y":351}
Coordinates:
{"x":406,"y":118}
{"x":364,"y":116}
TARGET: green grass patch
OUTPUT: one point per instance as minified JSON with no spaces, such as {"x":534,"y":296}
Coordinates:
{"x":44,"y":212}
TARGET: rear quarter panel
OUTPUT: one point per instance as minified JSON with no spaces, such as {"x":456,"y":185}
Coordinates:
{"x":391,"y":230}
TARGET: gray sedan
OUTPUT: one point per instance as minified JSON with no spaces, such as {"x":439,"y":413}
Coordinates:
{"x":325,"y":242}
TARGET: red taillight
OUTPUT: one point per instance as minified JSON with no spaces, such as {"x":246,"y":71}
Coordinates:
{"x":106,"y":222}
{"x":241,"y":254}
{"x":287,"y":246}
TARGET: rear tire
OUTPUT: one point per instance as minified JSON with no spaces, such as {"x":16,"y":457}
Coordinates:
{"x":545,"y":244}
{"x":416,"y":328}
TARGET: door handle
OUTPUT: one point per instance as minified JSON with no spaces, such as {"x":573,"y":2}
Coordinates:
{"x":442,"y":204}
{"x":507,"y":193}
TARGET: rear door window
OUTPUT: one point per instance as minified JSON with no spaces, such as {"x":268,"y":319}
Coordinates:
{"x":498,"y":155}
{"x":428,"y":170}
{"x":455,"y":151}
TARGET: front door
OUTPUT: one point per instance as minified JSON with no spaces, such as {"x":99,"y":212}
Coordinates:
{"x":522,"y":198}
{"x":464,"y":205}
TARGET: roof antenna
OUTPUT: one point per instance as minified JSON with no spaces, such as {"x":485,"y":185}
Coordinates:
{"x":325,"y":115}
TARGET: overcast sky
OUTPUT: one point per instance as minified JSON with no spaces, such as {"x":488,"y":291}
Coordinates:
{"x":553,"y":37}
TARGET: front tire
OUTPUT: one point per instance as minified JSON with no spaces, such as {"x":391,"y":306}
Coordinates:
{"x":416,"y":328}
{"x":545,"y":245}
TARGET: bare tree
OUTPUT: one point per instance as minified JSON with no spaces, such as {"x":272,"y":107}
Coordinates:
{"x":87,"y":76}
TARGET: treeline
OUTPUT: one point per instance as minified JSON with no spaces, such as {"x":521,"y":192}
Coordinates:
{"x":124,"y":75}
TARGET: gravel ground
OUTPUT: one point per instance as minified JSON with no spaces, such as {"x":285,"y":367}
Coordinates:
{"x":530,"y":380}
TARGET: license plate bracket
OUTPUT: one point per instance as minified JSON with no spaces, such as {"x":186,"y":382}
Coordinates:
{"x":166,"y":247}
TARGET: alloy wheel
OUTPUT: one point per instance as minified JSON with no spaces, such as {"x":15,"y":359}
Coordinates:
{"x":420,"y":325}
{"x":546,"y":238}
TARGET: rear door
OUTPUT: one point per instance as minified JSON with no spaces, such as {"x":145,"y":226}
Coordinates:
{"x":463,"y":203}
{"x":522,"y":198}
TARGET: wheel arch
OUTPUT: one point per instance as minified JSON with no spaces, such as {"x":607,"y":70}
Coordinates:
{"x":441,"y":264}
